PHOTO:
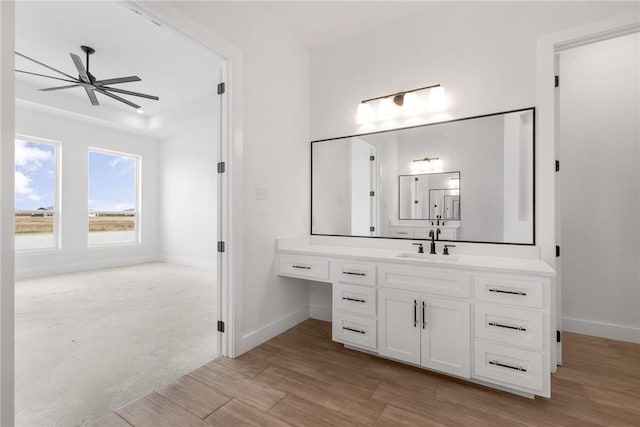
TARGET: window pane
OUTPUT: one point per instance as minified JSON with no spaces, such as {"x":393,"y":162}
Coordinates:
{"x":112,"y":198}
{"x":35,"y":195}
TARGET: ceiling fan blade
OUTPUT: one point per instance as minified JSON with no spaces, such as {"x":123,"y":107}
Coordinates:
{"x":51,"y":77}
{"x":44,"y":65}
{"x":128,"y":92}
{"x":57,"y":88}
{"x":118,"y":80}
{"x":92,"y":96}
{"x":104,"y":92}
{"x":78,"y":63}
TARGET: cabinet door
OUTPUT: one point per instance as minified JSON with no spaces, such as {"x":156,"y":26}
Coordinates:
{"x":399,"y":325}
{"x":445,"y":336}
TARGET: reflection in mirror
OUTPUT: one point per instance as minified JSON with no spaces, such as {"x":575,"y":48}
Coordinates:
{"x":429,"y":196}
{"x":407,"y":182}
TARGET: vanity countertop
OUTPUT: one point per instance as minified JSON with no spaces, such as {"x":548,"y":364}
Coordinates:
{"x":461,"y":261}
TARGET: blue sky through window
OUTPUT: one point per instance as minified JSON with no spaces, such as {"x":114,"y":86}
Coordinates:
{"x":34,"y":175}
{"x":112,"y":182}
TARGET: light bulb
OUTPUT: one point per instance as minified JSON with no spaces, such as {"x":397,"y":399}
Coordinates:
{"x":411,"y":106}
{"x":387,"y":110}
{"x":365,"y":114}
{"x":437,"y":99}
{"x":140,"y":111}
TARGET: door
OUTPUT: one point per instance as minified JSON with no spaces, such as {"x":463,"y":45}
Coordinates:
{"x":445,"y":336}
{"x":363,"y":182}
{"x":399,"y":325}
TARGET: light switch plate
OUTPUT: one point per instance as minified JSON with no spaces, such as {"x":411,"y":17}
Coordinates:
{"x":262,"y":194}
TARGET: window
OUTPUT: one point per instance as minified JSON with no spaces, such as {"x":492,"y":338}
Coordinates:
{"x":113,"y":198}
{"x":36,"y":194}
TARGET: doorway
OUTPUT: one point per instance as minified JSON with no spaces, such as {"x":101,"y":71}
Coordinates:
{"x":135,"y":313}
{"x":598,"y":187}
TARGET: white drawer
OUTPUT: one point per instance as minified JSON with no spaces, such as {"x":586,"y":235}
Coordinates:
{"x":354,"y":299}
{"x":511,"y":366}
{"x":406,"y":232}
{"x":448,"y":234}
{"x":425,"y":280}
{"x":514,"y":290}
{"x":304,"y":267}
{"x":421,"y":233}
{"x":356,"y":273}
{"x":355,"y":330}
{"x":509,"y":325}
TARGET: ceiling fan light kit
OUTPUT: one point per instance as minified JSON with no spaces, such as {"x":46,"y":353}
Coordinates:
{"x":88,"y":82}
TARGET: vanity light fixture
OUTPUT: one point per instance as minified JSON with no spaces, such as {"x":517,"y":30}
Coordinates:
{"x":407,"y":103}
{"x":427,"y":159}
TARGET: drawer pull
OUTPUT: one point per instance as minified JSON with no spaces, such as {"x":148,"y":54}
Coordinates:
{"x":402,"y":232}
{"x":354,"y":299}
{"x":424,"y":319}
{"x":504,"y":365}
{"x":303,"y":267}
{"x":500,"y":325}
{"x":502,"y":291}
{"x":415,"y":313}
{"x":354,"y":273}
{"x":359,"y":331}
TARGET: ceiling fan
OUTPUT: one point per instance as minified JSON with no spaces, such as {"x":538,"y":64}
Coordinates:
{"x":88,"y":82}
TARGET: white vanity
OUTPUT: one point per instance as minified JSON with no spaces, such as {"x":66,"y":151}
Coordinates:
{"x":484,"y":319}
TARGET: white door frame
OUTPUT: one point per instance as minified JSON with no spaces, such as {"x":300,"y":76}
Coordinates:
{"x":231,"y":217}
{"x":548,"y":46}
{"x":230,"y":152}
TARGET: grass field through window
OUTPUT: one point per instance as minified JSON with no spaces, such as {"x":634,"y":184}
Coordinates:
{"x":26,"y":224}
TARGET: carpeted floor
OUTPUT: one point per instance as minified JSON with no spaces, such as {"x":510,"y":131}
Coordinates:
{"x":86,"y":343}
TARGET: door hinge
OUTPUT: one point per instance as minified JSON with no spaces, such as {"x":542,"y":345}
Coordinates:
{"x":222,"y":87}
{"x":222,"y":167}
{"x":556,"y":81}
{"x":558,"y":336}
{"x":557,"y":165}
{"x":221,"y":246}
{"x":372,"y":228}
{"x":372,"y":193}
{"x":372,"y":158}
{"x":557,"y":251}
{"x":220,"y":326}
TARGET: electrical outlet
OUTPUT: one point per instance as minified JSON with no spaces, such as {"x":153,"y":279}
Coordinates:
{"x":262,"y":194}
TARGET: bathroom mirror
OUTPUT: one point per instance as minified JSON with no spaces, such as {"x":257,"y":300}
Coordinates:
{"x":403,"y":183}
{"x":429,"y":196}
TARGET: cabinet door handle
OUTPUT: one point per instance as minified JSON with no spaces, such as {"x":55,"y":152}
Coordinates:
{"x":503,"y":291}
{"x":424,"y":318}
{"x":359,"y":331}
{"x":504,"y":365}
{"x":354,"y":299}
{"x":354,"y":273}
{"x":500,"y":325}
{"x":401,"y":232}
{"x":415,"y":313}
{"x":303,"y":267}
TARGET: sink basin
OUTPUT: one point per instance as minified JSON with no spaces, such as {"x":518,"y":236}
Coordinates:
{"x":428,"y":257}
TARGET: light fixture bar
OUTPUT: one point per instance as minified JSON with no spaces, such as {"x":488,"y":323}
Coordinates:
{"x":401,"y":93}
{"x":426,"y":159}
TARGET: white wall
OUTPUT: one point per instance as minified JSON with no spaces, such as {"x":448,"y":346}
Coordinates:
{"x":483,"y":53}
{"x":76,"y":137}
{"x":275,"y":156}
{"x":599,"y":145}
{"x":7,"y":168}
{"x":188,"y":192}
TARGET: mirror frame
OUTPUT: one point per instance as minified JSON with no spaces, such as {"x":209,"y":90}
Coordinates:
{"x":533,"y":177}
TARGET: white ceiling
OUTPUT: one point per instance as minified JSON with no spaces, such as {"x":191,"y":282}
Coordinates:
{"x":171,"y":66}
{"x":317,"y":23}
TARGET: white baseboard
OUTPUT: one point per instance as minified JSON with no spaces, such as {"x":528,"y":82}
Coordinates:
{"x":270,"y":330}
{"x":190,"y":262}
{"x":603,"y":330}
{"x":52,"y":270}
{"x":320,"y":313}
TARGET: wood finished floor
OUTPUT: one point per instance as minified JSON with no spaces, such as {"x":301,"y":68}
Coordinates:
{"x":302,"y":378}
